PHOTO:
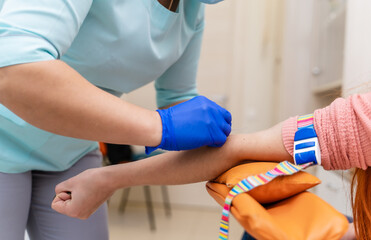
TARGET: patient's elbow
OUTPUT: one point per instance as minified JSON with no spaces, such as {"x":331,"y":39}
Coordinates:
{"x":2,"y":83}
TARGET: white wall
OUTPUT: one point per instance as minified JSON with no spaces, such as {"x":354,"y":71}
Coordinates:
{"x":357,"y":61}
{"x":257,"y":62}
{"x":294,"y":88}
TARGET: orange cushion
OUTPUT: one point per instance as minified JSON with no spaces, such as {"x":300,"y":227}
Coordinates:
{"x":278,"y":189}
{"x":301,"y":217}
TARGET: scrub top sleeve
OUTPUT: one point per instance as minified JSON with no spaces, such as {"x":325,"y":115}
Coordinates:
{"x":179,"y":81}
{"x":36,"y":30}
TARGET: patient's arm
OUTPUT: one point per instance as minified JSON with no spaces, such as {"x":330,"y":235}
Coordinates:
{"x":199,"y":164}
{"x":92,"y":187}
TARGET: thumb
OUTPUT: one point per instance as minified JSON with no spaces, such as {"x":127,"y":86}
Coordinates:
{"x":61,"y":201}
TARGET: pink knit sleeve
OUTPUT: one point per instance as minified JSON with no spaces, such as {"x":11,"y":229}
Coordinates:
{"x":289,"y":128}
{"x":344,"y":132}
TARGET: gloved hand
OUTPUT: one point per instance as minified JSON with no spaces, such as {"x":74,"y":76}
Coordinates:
{"x":192,"y":124}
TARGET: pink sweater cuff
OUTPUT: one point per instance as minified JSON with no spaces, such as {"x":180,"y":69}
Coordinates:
{"x":289,"y":128}
{"x":343,"y":130}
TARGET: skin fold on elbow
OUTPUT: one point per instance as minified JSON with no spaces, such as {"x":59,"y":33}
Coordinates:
{"x":3,"y":85}
{"x":12,"y":81}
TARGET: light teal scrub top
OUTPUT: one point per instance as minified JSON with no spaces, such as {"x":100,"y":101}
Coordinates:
{"x":118,"y":45}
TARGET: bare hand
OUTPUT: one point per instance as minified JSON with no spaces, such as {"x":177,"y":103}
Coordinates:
{"x":81,"y":196}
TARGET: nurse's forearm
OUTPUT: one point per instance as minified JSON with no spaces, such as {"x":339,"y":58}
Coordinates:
{"x":199,"y":164}
{"x":54,"y":97}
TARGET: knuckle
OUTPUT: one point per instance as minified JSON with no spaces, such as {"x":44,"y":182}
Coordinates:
{"x":57,"y":188}
{"x":204,"y":106}
{"x":202,"y":98}
{"x":209,"y":124}
{"x":228,"y":115}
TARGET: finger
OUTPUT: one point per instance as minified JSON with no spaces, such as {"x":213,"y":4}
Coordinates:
{"x":59,"y":206}
{"x":60,"y":202}
{"x":225,"y":113}
{"x":223,"y":123}
{"x":219,"y":139}
{"x":63,"y":187}
{"x":217,"y":144}
{"x":226,"y":128}
{"x":62,"y":197}
{"x":227,"y":116}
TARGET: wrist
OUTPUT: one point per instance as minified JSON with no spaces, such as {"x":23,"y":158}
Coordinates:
{"x":158,"y":133}
{"x":115,"y":177}
{"x":156,"y":136}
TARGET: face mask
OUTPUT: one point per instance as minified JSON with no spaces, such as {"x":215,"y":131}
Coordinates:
{"x":210,"y":1}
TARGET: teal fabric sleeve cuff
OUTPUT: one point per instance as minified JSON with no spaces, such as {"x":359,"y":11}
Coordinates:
{"x":17,"y":49}
{"x":165,"y":98}
{"x":35,"y":30}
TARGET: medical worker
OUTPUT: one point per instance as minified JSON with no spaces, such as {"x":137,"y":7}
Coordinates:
{"x":63,"y":66}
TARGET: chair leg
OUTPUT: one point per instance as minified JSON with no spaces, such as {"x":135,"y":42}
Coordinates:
{"x":151,"y":216}
{"x":124,"y":200}
{"x":165,"y":196}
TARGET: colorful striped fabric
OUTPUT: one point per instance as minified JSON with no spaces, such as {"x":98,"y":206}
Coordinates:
{"x":306,"y":145}
{"x":284,"y":168}
{"x":305,"y":121}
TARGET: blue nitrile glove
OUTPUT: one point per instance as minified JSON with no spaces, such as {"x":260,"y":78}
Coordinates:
{"x":192,"y":124}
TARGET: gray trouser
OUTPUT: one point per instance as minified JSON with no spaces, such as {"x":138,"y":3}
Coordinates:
{"x":25,"y":200}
